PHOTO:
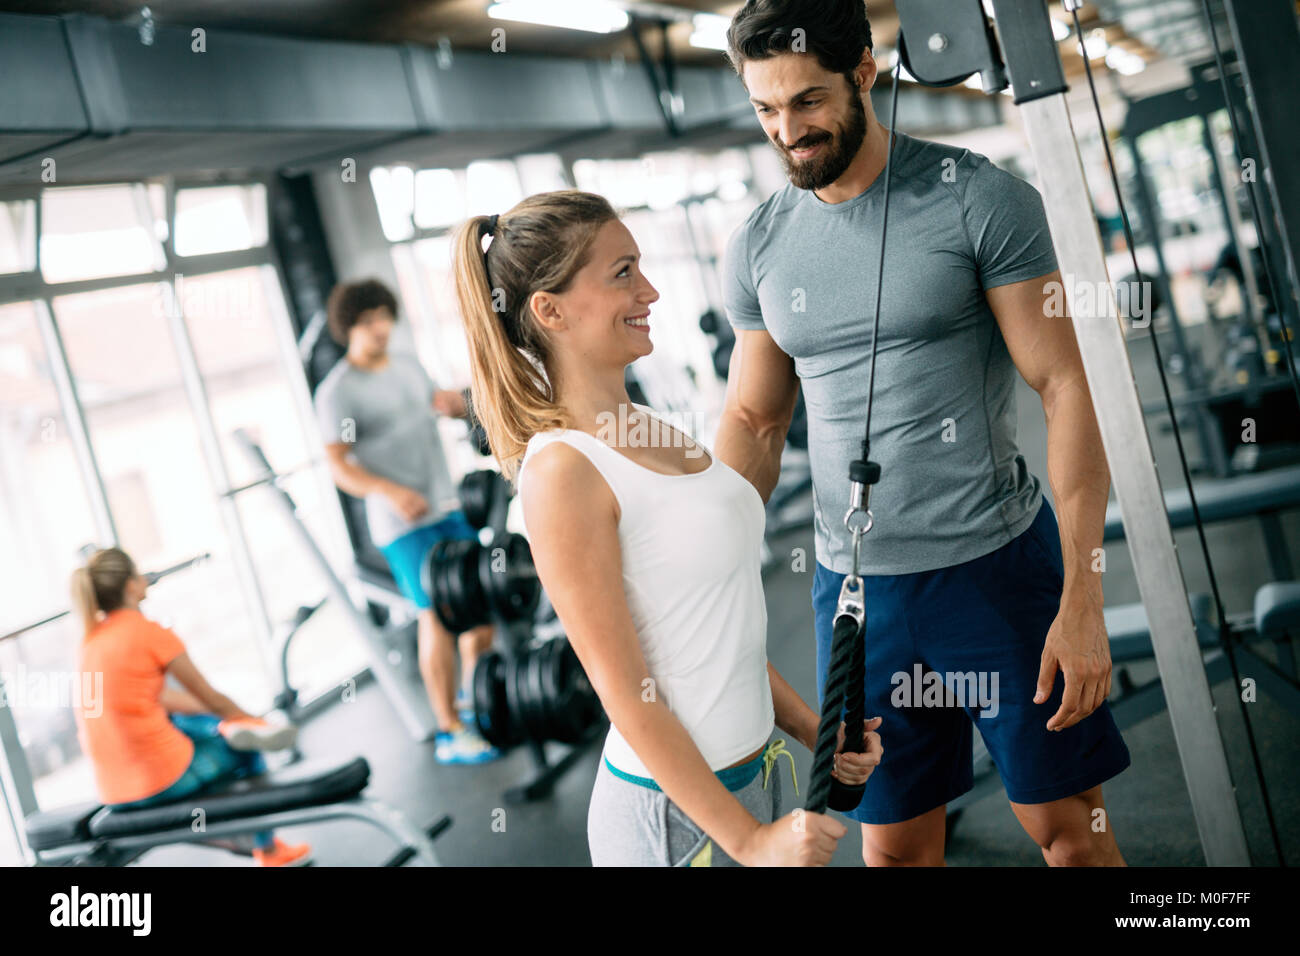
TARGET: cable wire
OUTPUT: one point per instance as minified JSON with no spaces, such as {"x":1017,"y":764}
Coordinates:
{"x":880,"y":269}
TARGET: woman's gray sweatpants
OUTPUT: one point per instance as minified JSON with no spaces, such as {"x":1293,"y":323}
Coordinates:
{"x":632,"y":825}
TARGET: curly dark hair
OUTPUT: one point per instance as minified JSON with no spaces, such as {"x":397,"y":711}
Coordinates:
{"x":349,"y":299}
{"x":836,"y":32}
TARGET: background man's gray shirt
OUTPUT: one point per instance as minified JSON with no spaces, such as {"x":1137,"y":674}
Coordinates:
{"x":954,"y":486}
{"x":388,"y":418}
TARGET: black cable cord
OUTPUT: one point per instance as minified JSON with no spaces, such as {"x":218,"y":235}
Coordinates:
{"x":1254,"y":203}
{"x":1225,"y":635}
{"x":880,"y":270}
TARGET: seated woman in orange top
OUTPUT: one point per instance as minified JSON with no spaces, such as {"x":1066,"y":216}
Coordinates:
{"x":149,"y":743}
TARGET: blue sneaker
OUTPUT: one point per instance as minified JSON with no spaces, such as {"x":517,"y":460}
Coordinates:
{"x":464,"y":709}
{"x":463,"y":746}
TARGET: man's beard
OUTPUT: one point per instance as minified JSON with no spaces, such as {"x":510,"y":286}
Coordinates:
{"x":830,"y":164}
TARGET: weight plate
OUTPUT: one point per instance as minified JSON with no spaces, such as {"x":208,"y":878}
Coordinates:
{"x":555,"y":686}
{"x":440,"y":592}
{"x":490,"y":713}
{"x":550,"y":672}
{"x":509,"y":578}
{"x":587,"y":709}
{"x":537,"y":694}
{"x":525,"y":588}
{"x":477,"y":491}
{"x":527,"y":699}
{"x":477,"y":610}
{"x":571,"y":709}
{"x":516,"y":700}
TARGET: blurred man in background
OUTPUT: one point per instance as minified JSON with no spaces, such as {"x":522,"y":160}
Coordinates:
{"x":378,"y":414}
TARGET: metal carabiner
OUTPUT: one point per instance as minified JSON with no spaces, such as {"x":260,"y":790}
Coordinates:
{"x":859,"y":504}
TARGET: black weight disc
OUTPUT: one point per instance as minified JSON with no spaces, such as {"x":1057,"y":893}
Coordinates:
{"x":589,"y":709}
{"x":490,"y":711}
{"x":460,"y":591}
{"x":552,"y":667}
{"x":572,"y":703}
{"x":509,"y":579}
{"x":516,"y":696}
{"x":445,"y":603}
{"x":477,"y":609}
{"x":477,"y":492}
{"x":524,"y":690}
{"x":550,"y":682}
{"x":536,"y":694}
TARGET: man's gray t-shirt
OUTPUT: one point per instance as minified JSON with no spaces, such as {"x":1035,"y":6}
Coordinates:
{"x":954,"y":486}
{"x":388,"y":418}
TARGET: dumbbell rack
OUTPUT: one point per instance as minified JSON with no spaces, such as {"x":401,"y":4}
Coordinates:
{"x":511,"y":637}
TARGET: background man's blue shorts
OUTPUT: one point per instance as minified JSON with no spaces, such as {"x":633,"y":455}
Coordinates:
{"x":989,"y":615}
{"x":407,"y":554}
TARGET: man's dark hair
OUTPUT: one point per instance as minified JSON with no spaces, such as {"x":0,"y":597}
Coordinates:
{"x":836,"y":32}
{"x":349,"y":299}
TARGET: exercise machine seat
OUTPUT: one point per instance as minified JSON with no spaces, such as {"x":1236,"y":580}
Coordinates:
{"x":1277,"y":609}
{"x":1130,"y":631}
{"x":53,"y":828}
{"x":305,"y":784}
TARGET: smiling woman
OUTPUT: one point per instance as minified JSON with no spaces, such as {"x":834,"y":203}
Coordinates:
{"x":656,"y":578}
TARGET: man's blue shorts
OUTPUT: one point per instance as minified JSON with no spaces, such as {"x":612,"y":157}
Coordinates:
{"x":407,"y":554}
{"x":982,"y":626}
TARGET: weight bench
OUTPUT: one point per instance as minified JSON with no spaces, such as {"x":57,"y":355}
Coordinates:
{"x":307,"y":792}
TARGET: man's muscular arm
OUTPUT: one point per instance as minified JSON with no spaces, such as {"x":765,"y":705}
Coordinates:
{"x":762,"y":389}
{"x":1046,"y":353}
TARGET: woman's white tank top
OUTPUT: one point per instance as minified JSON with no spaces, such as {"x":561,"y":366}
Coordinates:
{"x":691,"y":550}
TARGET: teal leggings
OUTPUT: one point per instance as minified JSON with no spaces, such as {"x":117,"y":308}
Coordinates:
{"x":214,"y":762}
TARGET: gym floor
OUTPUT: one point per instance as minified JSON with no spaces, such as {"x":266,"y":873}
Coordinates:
{"x":1148,"y":803}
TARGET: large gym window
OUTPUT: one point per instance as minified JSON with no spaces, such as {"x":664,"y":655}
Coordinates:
{"x":220,"y":219}
{"x":234,"y":319}
{"x":45,"y":515}
{"x":439,"y":198}
{"x":491,"y":186}
{"x":18,"y":236}
{"x":394,"y":189}
{"x":92,"y":232}
{"x":149,"y":449}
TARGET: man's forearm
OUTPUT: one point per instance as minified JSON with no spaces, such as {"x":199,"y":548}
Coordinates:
{"x":753,"y":451}
{"x":1080,"y":478}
